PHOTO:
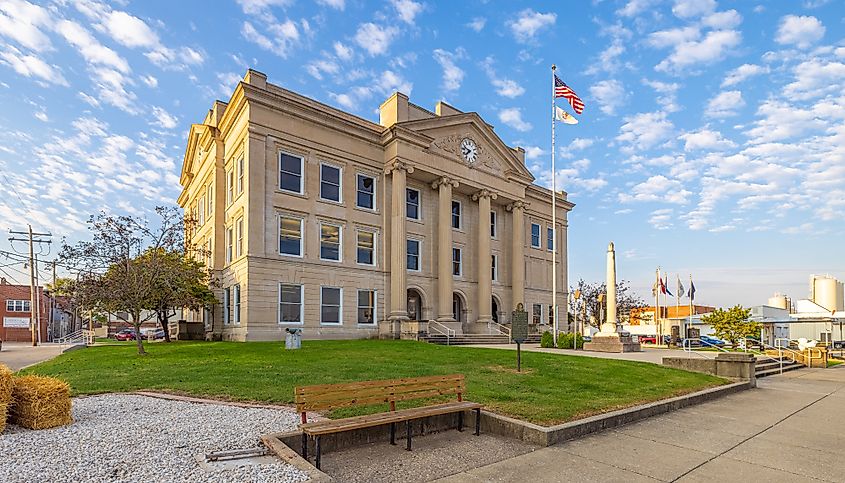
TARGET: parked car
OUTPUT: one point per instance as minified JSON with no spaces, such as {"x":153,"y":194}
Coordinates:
{"x":648,"y":339}
{"x":708,"y":341}
{"x":126,"y":333}
{"x":157,"y":335}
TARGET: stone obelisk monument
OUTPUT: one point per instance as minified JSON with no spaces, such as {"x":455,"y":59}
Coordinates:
{"x":611,"y":338}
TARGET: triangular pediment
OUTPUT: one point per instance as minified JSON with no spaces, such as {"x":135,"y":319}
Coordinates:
{"x":494,"y":156}
{"x":193,"y":152}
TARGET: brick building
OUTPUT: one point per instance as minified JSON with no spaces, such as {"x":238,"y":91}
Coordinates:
{"x":15,"y":312}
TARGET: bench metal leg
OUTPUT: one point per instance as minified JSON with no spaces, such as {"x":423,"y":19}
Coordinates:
{"x":318,"y":451}
{"x":408,"y":430}
{"x":393,"y":434}
{"x":460,"y":421}
{"x":478,"y":421}
{"x":305,"y":446}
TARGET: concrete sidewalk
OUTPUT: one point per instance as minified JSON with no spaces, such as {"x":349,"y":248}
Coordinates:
{"x":791,"y":428}
{"x":18,"y":355}
{"x":649,"y":354}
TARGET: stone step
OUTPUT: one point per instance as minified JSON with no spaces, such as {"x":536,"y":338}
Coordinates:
{"x":466,"y":339}
{"x":776,"y":370}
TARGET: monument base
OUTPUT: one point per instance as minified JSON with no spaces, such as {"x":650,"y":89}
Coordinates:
{"x":612,"y":343}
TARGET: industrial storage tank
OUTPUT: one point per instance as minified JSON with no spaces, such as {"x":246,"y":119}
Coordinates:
{"x":779,"y":301}
{"x":827,"y":292}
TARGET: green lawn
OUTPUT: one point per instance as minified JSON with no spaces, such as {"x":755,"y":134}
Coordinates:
{"x":552,"y":389}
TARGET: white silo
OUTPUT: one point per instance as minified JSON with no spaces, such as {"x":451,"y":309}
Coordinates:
{"x":827,"y":292}
{"x":779,"y":300}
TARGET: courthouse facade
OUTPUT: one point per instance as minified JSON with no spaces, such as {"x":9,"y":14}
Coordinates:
{"x":314,"y":218}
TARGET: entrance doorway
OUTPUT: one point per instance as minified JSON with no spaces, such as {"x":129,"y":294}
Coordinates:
{"x":414,"y":305}
{"x":457,"y":307}
{"x":495,"y":310}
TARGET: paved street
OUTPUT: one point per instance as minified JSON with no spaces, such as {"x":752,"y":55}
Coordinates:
{"x":791,"y":428}
{"x":18,"y":355}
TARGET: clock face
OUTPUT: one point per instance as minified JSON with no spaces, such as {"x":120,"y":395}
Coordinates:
{"x":469,"y":150}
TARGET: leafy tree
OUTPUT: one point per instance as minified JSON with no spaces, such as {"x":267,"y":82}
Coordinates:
{"x":732,"y":325}
{"x":626,"y":300}
{"x":118,"y":277}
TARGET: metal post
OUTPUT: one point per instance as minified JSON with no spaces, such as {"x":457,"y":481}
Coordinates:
{"x":408,"y":435}
{"x":554,"y":221}
{"x":318,"y":450}
{"x":460,"y":421}
{"x":477,"y":421}
{"x":393,"y":434}
{"x":518,"y":358}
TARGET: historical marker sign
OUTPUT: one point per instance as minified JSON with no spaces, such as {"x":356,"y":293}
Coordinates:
{"x":519,"y":324}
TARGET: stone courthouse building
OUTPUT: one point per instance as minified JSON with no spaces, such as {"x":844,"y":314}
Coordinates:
{"x":314,"y":218}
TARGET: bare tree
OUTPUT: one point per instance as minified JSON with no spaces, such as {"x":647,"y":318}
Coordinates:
{"x":626,"y":300}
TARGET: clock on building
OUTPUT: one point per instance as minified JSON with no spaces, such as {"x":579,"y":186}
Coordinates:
{"x":469,"y":150}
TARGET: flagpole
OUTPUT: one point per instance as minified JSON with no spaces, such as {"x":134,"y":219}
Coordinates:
{"x":691,"y":295}
{"x":678,"y":306}
{"x":657,"y":302}
{"x":554,"y":218}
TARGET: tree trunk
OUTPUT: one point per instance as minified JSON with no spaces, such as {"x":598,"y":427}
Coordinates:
{"x":164,"y":320}
{"x":138,"y":341}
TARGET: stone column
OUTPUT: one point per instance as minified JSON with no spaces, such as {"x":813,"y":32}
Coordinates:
{"x":444,"y":186}
{"x":517,"y":209}
{"x":485,"y":289}
{"x":609,"y":327}
{"x":398,"y":250}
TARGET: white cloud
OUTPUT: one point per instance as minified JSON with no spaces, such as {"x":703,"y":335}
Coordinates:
{"x":723,"y":20}
{"x":800,"y":31}
{"x":452,"y":74}
{"x":407,"y":10}
{"x":283,"y":37}
{"x":32,"y":66}
{"x":129,"y":30}
{"x":645,"y":130}
{"x":375,"y":39}
{"x":668,"y":94}
{"x":610,"y":94}
{"x":693,"y":8}
{"x":228,"y":81}
{"x":512,"y":117}
{"x":529,"y":23}
{"x":164,"y":119}
{"x":342,"y":51}
{"x":93,"y":51}
{"x":635,"y":7}
{"x":725,"y":104}
{"x":504,"y":87}
{"x":578,"y":144}
{"x":150,"y":81}
{"x":260,"y":7}
{"x":705,"y":139}
{"x":743,"y":72}
{"x":318,"y":67}
{"x":336,"y":4}
{"x":22,"y":21}
{"x":661,"y":219}
{"x":41,"y":116}
{"x":713,"y":47}
{"x":672,"y":37}
{"x":534,"y":152}
{"x":477,"y":24}
{"x":816,"y":78}
{"x":657,"y":188}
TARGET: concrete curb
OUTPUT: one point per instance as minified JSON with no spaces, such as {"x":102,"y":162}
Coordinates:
{"x":290,"y":456}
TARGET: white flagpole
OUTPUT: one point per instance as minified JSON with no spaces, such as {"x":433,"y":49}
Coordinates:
{"x":554,"y":218}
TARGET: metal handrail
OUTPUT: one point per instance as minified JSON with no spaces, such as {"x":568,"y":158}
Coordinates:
{"x":441,"y":329}
{"x":688,"y":347}
{"x":780,"y":350}
{"x":75,"y":335}
{"x":501,"y":329}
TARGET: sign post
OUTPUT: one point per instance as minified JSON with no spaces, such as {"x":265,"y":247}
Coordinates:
{"x":519,"y":332}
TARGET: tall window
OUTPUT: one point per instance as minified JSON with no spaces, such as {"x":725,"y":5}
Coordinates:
{"x":230,"y":187}
{"x":494,"y":266}
{"x":201,"y":210}
{"x":236,"y":304}
{"x":550,"y":238}
{"x":239,"y":237}
{"x":229,"y":245}
{"x":290,"y":304}
{"x":366,"y":306}
{"x":413,"y":255}
{"x":290,"y":236}
{"x":18,"y":306}
{"x":493,"y":224}
{"x":536,"y":313}
{"x":535,"y":235}
{"x":208,"y":252}
{"x":412,"y":203}
{"x":456,"y":262}
{"x":240,"y":175}
{"x":290,"y":173}
{"x":209,"y":193}
{"x":330,"y":182}
{"x":366,"y":248}
{"x":456,"y":214}
{"x":227,"y":296}
{"x":366,"y":190}
{"x":329,"y":242}
{"x":330,"y":305}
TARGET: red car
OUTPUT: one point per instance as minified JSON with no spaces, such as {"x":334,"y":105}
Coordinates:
{"x":126,"y":333}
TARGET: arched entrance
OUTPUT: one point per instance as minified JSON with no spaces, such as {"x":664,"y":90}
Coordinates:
{"x":458,"y":307}
{"x":414,"y":304}
{"x":495,"y":310}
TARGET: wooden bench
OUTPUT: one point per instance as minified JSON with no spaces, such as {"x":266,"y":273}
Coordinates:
{"x":333,"y":396}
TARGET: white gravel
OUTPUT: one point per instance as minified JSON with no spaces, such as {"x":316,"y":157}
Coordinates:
{"x":131,"y":438}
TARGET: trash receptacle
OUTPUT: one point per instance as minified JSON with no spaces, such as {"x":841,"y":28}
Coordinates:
{"x":293,"y":338}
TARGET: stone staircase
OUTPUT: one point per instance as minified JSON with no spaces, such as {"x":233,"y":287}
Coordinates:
{"x":767,"y":366}
{"x":475,"y":339}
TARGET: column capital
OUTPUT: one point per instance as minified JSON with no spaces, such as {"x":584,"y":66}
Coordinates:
{"x":398,"y":164}
{"x":484,"y":193}
{"x":444,"y":180}
{"x":517,"y":205}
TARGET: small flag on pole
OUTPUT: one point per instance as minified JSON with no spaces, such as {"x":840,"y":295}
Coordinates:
{"x":663,"y":289}
{"x":564,"y":116}
{"x":563,"y":90}
{"x":680,"y":287}
{"x":691,"y":293}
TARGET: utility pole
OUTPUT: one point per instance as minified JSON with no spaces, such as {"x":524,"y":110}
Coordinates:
{"x":34,"y":306}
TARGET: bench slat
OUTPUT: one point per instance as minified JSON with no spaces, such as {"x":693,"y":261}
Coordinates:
{"x":358,"y":422}
{"x":333,"y":396}
{"x":383,"y":382}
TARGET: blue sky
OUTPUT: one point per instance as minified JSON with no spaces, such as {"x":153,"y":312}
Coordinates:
{"x":712,"y":143}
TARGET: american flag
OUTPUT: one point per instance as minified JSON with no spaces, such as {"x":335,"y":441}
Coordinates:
{"x":563,"y":90}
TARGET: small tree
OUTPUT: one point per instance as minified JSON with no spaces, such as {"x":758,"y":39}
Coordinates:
{"x":626,"y":300}
{"x":732,"y":325}
{"x":183,"y":283}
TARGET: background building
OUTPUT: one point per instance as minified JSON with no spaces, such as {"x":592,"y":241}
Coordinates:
{"x":15,"y":311}
{"x":312,"y":217}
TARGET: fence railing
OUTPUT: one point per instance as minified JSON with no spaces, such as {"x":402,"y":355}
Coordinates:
{"x":499,"y":328}
{"x":437,"y":327}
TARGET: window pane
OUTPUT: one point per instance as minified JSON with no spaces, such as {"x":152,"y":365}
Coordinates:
{"x":330,"y":242}
{"x":365,"y":183}
{"x":330,"y":174}
{"x":492,"y":223}
{"x":330,"y":183}
{"x":291,"y":173}
{"x":413,"y":247}
{"x":330,"y":315}
{"x":456,"y":214}
{"x":290,"y":313}
{"x":291,"y":294}
{"x":366,"y":247}
{"x":331,"y":296}
{"x":366,"y":306}
{"x":291,"y":164}
{"x":550,"y":239}
{"x":412,"y":204}
{"x":290,"y":235}
{"x":329,"y":191}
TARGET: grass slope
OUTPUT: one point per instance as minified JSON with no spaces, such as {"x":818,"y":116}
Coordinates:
{"x":552,"y":388}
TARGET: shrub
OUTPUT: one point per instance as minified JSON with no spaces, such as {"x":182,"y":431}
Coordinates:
{"x":546,"y":340}
{"x":564,"y":341}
